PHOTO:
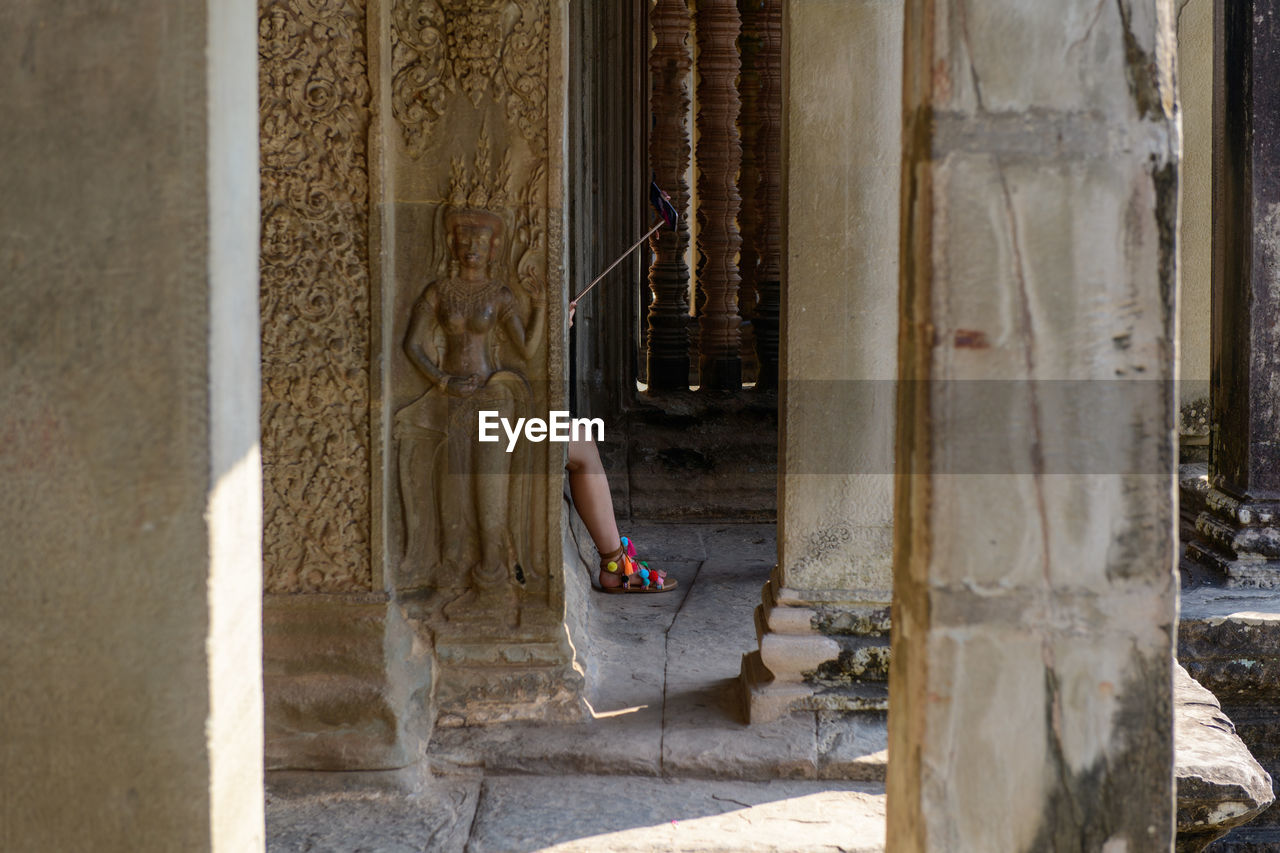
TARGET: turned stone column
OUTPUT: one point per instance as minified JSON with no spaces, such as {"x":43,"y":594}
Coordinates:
{"x":823,"y":622}
{"x":768,"y":162}
{"x":759,"y":181}
{"x":719,"y":158}
{"x":669,"y":151}
{"x":1034,"y":596}
{"x":749,"y":43}
{"x":1238,"y":534}
{"x":130,"y":510}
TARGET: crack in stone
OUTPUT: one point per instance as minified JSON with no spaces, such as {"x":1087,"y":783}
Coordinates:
{"x":1088,"y":31}
{"x":666,"y":663}
{"x":963,"y":8}
{"x":1028,"y":336}
{"x":1054,"y":704}
{"x":475,"y":816}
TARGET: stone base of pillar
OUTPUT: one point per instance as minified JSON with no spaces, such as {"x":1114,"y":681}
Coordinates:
{"x":1238,"y":540}
{"x":720,"y":374}
{"x":488,"y":673}
{"x":478,"y":683}
{"x":820,"y":650}
{"x":668,"y":373}
{"x":346,"y":684}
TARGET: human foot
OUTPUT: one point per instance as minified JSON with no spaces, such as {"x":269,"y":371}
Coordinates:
{"x":621,"y":572}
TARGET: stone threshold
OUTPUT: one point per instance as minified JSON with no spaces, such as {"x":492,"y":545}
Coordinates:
{"x":586,"y":814}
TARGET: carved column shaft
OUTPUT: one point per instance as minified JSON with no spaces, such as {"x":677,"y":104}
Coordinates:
{"x":768,"y":156}
{"x":1238,"y":533}
{"x":669,"y":151}
{"x":749,"y":176}
{"x":719,"y":158}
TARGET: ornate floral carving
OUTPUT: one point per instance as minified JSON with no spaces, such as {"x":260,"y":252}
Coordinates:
{"x":497,"y":48}
{"x":314,"y":110}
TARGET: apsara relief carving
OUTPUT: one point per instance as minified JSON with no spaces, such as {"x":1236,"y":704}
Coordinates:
{"x":473,"y":331}
{"x":314,"y":113}
{"x":481,"y":48}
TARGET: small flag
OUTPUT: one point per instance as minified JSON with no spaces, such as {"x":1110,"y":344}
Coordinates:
{"x":662,"y":203}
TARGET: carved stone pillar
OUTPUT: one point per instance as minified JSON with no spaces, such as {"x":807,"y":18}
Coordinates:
{"x":1238,"y":534}
{"x":1034,"y":599}
{"x":669,"y":151}
{"x":473,"y":234}
{"x":719,"y":158}
{"x":824,"y":619}
{"x":333,"y":635}
{"x":749,"y":43}
{"x":412,"y":573}
{"x":768,"y":154}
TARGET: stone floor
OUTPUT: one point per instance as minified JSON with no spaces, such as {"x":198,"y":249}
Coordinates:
{"x":664,"y":763}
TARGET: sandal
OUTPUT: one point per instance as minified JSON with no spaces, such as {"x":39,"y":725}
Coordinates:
{"x":636,"y":574}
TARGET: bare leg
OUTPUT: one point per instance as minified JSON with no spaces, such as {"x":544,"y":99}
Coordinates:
{"x":590,"y":489}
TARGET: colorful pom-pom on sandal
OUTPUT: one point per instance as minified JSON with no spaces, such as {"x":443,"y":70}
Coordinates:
{"x":635,"y":575}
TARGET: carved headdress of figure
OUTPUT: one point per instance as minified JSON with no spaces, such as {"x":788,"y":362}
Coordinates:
{"x":480,"y":196}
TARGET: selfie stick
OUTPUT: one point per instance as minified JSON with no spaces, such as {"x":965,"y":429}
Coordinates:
{"x":623,"y":257}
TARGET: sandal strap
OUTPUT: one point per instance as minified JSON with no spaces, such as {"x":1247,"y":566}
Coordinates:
{"x":613,"y":561}
{"x":623,"y":562}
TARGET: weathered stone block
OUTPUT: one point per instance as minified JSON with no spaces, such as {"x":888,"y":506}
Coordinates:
{"x":1220,"y":784}
{"x":1229,"y":642}
{"x":347,"y":684}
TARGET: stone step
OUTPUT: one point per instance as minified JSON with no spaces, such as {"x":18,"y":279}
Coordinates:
{"x":586,"y":814}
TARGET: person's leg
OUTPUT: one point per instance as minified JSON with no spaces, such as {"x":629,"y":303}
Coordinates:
{"x":590,"y":489}
{"x":589,"y":486}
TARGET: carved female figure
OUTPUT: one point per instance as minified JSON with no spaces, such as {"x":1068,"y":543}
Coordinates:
{"x":462,"y":522}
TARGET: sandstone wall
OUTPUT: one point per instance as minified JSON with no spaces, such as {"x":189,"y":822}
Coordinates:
{"x":129,"y":475}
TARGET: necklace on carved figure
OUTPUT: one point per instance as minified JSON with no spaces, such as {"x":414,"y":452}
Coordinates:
{"x":463,"y":297}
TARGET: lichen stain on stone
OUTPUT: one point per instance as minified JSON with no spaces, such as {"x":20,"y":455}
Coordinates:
{"x":863,"y":624}
{"x":1123,"y":796}
{"x":1140,"y":68}
{"x":1164,"y":178}
{"x":870,"y":662}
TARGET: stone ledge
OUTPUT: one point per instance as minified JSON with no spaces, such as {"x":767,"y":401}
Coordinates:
{"x":1229,"y":642}
{"x":1220,"y":784}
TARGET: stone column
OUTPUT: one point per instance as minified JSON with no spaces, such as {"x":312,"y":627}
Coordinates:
{"x":719,"y":158}
{"x":130,"y":507}
{"x":1034,"y":591}
{"x":1195,"y":226}
{"x":669,"y":70}
{"x":1238,"y":534}
{"x":824,"y":620}
{"x":768,"y":236}
{"x":749,"y":43}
